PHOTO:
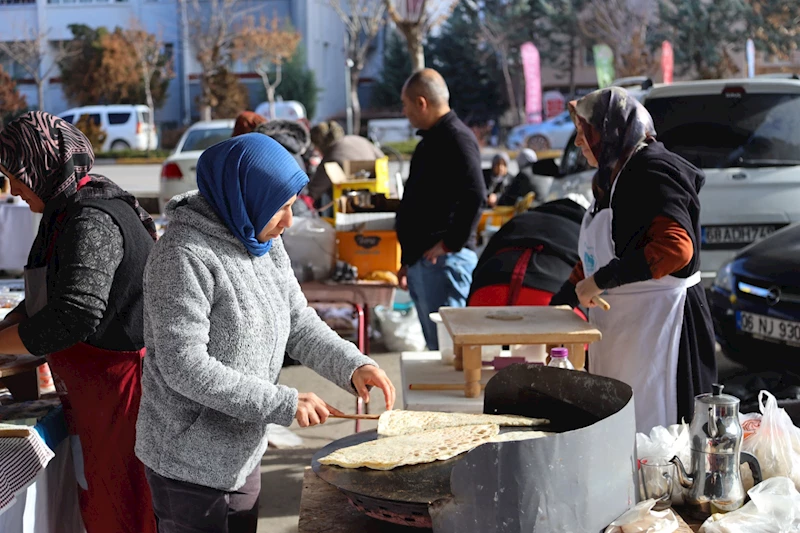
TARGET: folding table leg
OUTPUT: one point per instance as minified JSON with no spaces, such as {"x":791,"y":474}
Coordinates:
{"x":472,"y":371}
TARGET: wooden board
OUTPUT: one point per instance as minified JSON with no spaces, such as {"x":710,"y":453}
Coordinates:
{"x":11,"y":365}
{"x":536,"y":325}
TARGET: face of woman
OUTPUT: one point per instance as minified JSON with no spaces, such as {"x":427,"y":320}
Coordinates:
{"x":583,"y":144}
{"x":281,"y":221}
{"x":23,"y":191}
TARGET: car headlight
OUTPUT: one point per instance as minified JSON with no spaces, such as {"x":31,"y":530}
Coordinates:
{"x":724,"y":279}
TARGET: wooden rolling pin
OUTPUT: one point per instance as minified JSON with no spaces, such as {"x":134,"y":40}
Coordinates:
{"x":602,"y":304}
{"x":15,"y":433}
{"x":357,"y":417}
{"x":439,"y":386}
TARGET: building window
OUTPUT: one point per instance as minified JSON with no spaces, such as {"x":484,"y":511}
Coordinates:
{"x":16,"y":2}
{"x":588,"y":57}
{"x":84,"y":2}
{"x":13,"y":69}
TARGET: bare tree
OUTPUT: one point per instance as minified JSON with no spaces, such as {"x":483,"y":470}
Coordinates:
{"x":30,"y":54}
{"x":213,"y":37}
{"x":362,"y":19}
{"x":415,"y":19}
{"x":153,"y":65}
{"x":266,"y":46}
{"x":622,"y":25}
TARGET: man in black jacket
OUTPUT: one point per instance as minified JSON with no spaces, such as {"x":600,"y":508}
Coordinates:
{"x":438,"y":216}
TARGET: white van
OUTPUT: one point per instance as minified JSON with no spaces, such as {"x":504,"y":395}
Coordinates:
{"x":289,"y":110}
{"x":127,"y":127}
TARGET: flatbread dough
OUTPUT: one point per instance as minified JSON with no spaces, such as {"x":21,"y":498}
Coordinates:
{"x":425,"y":447}
{"x":512,"y":436}
{"x":399,"y":422}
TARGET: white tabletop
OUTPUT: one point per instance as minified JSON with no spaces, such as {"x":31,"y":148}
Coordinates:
{"x":427,"y":367}
{"x":18,"y":227}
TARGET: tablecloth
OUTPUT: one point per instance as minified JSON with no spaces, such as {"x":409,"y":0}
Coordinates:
{"x":18,"y":227}
{"x":50,"y":503}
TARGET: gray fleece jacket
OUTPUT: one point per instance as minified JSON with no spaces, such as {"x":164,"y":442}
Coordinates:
{"x":217,"y":321}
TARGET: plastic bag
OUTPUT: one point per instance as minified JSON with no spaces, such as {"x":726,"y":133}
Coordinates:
{"x":774,"y":508}
{"x":642,"y":519}
{"x":311,"y":245}
{"x":401,"y":331}
{"x":666,"y":443}
{"x":776,"y":441}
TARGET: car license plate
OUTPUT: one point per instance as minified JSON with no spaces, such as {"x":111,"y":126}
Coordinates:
{"x":768,"y":327}
{"x":733,"y":237}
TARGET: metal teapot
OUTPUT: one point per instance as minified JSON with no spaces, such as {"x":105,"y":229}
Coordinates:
{"x":715,"y":485}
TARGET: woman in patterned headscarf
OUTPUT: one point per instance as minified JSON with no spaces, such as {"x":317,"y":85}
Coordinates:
{"x":83,"y":310}
{"x":639,"y":247}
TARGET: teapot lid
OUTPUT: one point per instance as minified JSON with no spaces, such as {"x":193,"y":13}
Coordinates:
{"x":717,"y":398}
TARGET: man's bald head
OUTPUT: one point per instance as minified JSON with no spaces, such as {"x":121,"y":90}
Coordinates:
{"x":426,"y":98}
{"x":430,"y":85}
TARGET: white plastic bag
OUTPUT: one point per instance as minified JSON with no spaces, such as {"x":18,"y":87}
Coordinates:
{"x":311,"y":245}
{"x":776,"y":441}
{"x":774,"y":508}
{"x":642,"y":519}
{"x":665,"y":443}
{"x":401,"y":331}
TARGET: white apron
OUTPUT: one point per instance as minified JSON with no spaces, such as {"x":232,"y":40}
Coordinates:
{"x":641,"y":331}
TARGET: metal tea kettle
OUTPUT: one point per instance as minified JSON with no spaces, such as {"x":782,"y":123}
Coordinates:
{"x":715,"y":485}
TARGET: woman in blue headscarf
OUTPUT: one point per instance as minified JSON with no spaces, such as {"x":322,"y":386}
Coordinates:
{"x":222,"y":306}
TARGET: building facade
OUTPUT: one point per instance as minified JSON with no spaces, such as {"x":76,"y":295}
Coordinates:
{"x":321,"y":29}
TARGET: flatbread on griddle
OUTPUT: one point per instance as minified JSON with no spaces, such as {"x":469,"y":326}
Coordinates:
{"x":400,"y":422}
{"x":513,"y":436}
{"x":419,"y":448}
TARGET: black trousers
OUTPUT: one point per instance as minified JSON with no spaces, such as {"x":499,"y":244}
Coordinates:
{"x":182,"y":507}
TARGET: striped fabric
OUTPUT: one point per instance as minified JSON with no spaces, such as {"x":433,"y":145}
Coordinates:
{"x":21,"y":460}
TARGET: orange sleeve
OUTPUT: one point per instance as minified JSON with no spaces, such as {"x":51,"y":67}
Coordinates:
{"x":577,"y":274}
{"x":668,"y":248}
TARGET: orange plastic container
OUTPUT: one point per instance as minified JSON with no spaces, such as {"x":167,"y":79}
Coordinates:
{"x":369,"y":250}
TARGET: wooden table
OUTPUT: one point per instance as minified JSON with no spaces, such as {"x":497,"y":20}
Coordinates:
{"x":323,"y":509}
{"x":363,"y":295}
{"x":18,"y":375}
{"x":422,"y":368}
{"x":473,"y":327}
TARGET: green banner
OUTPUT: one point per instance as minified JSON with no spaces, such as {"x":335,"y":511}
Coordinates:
{"x":603,"y":64}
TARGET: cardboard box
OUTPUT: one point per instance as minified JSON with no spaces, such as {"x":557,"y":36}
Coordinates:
{"x":343,"y":177}
{"x":369,"y":250}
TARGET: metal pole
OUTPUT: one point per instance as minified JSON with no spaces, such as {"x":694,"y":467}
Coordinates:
{"x":186,"y":94}
{"x":348,"y":87}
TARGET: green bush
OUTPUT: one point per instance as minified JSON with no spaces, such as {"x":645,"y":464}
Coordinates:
{"x":404,"y":147}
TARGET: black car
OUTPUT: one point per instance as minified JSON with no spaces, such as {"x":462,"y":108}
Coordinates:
{"x":755,"y":302}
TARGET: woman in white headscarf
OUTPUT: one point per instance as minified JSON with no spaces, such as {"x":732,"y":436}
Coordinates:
{"x":639,"y":247}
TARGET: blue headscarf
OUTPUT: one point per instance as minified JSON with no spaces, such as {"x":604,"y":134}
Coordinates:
{"x":247,"y":180}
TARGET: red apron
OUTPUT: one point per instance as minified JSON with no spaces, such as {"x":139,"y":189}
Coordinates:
{"x":104,"y":388}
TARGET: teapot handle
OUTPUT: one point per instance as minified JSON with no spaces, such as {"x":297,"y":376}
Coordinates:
{"x":755,"y":467}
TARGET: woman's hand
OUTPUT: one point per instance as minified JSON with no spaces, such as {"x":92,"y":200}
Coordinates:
{"x":371,"y":376}
{"x":586,"y":290}
{"x":311,"y":410}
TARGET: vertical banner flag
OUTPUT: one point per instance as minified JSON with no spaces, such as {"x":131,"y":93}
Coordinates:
{"x":667,"y":61}
{"x":531,"y":67}
{"x":751,"y":58}
{"x":604,"y":65}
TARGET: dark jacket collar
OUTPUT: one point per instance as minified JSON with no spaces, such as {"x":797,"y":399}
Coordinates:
{"x":448,"y":118}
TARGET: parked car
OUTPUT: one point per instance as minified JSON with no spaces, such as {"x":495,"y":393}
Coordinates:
{"x":127,"y":127}
{"x":289,"y":110}
{"x":550,"y":134}
{"x":554,"y":133}
{"x":179,"y":170}
{"x":388,"y":130}
{"x":755,"y":302}
{"x":745,"y":135}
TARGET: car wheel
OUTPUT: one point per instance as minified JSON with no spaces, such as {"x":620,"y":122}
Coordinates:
{"x":537,"y":143}
{"x":118,"y":146}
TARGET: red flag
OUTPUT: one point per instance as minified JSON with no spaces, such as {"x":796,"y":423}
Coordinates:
{"x":667,"y":61}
